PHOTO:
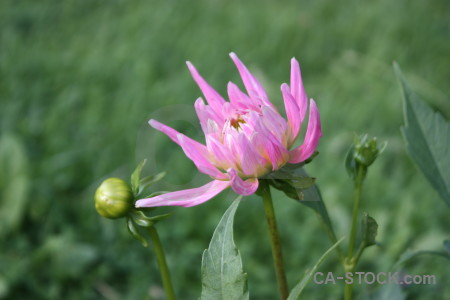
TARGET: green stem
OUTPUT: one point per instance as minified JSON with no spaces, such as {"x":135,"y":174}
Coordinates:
{"x":350,"y":261}
{"x":275,"y":240}
{"x":163,"y":269}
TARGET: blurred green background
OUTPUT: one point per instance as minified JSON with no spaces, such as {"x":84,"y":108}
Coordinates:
{"x":80,"y":79}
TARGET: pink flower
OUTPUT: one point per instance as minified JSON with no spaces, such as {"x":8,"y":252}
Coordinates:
{"x":246,"y":138}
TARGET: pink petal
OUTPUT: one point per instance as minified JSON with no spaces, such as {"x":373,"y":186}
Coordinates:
{"x":243,"y":187}
{"x":200,"y":158}
{"x":252,"y":85}
{"x":212,"y":97}
{"x":186,"y":198}
{"x":206,"y":113}
{"x":228,"y":111}
{"x":251,"y":162}
{"x":274,"y":122}
{"x":297,"y":89}
{"x":223,"y":157}
{"x":292,"y":112}
{"x":239,"y":99}
{"x":266,"y":143}
{"x":195,"y":151}
{"x":271,"y":128}
{"x":313,"y":134}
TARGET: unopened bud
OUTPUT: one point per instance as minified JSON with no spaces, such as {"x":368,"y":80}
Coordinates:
{"x":362,"y":154}
{"x":366,"y":151}
{"x":113,"y":198}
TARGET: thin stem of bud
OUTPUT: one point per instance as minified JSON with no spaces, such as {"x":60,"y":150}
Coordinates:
{"x":163,"y":269}
{"x":350,"y":262}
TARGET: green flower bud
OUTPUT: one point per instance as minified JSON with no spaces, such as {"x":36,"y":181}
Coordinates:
{"x":366,"y":151}
{"x":362,"y":154}
{"x":113,"y":198}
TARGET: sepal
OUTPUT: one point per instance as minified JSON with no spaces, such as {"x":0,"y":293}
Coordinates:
{"x":143,"y":220}
{"x":292,"y":180}
{"x":138,"y":185}
{"x":135,"y":233}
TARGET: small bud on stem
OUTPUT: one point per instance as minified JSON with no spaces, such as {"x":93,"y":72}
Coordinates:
{"x":113,"y":198}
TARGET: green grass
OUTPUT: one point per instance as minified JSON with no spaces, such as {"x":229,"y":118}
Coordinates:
{"x":80,"y":79}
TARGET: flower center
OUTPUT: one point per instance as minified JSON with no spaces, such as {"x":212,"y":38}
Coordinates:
{"x":235,"y":122}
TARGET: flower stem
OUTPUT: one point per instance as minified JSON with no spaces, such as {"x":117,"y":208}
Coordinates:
{"x":275,"y":240}
{"x":163,"y":269}
{"x":350,"y":261}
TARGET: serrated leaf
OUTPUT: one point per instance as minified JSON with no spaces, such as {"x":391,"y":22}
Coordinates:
{"x":298,"y":289}
{"x":136,"y":176}
{"x":369,"y":230}
{"x":135,"y":233}
{"x":427,"y":138}
{"x":223,"y":277}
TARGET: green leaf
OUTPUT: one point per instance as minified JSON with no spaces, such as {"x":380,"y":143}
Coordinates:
{"x":427,"y":138}
{"x":294,"y":174}
{"x":369,"y":230}
{"x":223,"y":277}
{"x":298,"y":289}
{"x":136,"y":176}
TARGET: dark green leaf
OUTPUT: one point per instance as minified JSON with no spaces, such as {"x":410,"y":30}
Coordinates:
{"x":136,"y":176}
{"x":427,"y":138}
{"x":369,"y":230}
{"x":298,"y":289}
{"x":311,"y":197}
{"x":303,"y":182}
{"x":223,"y":277}
{"x":292,"y":180}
